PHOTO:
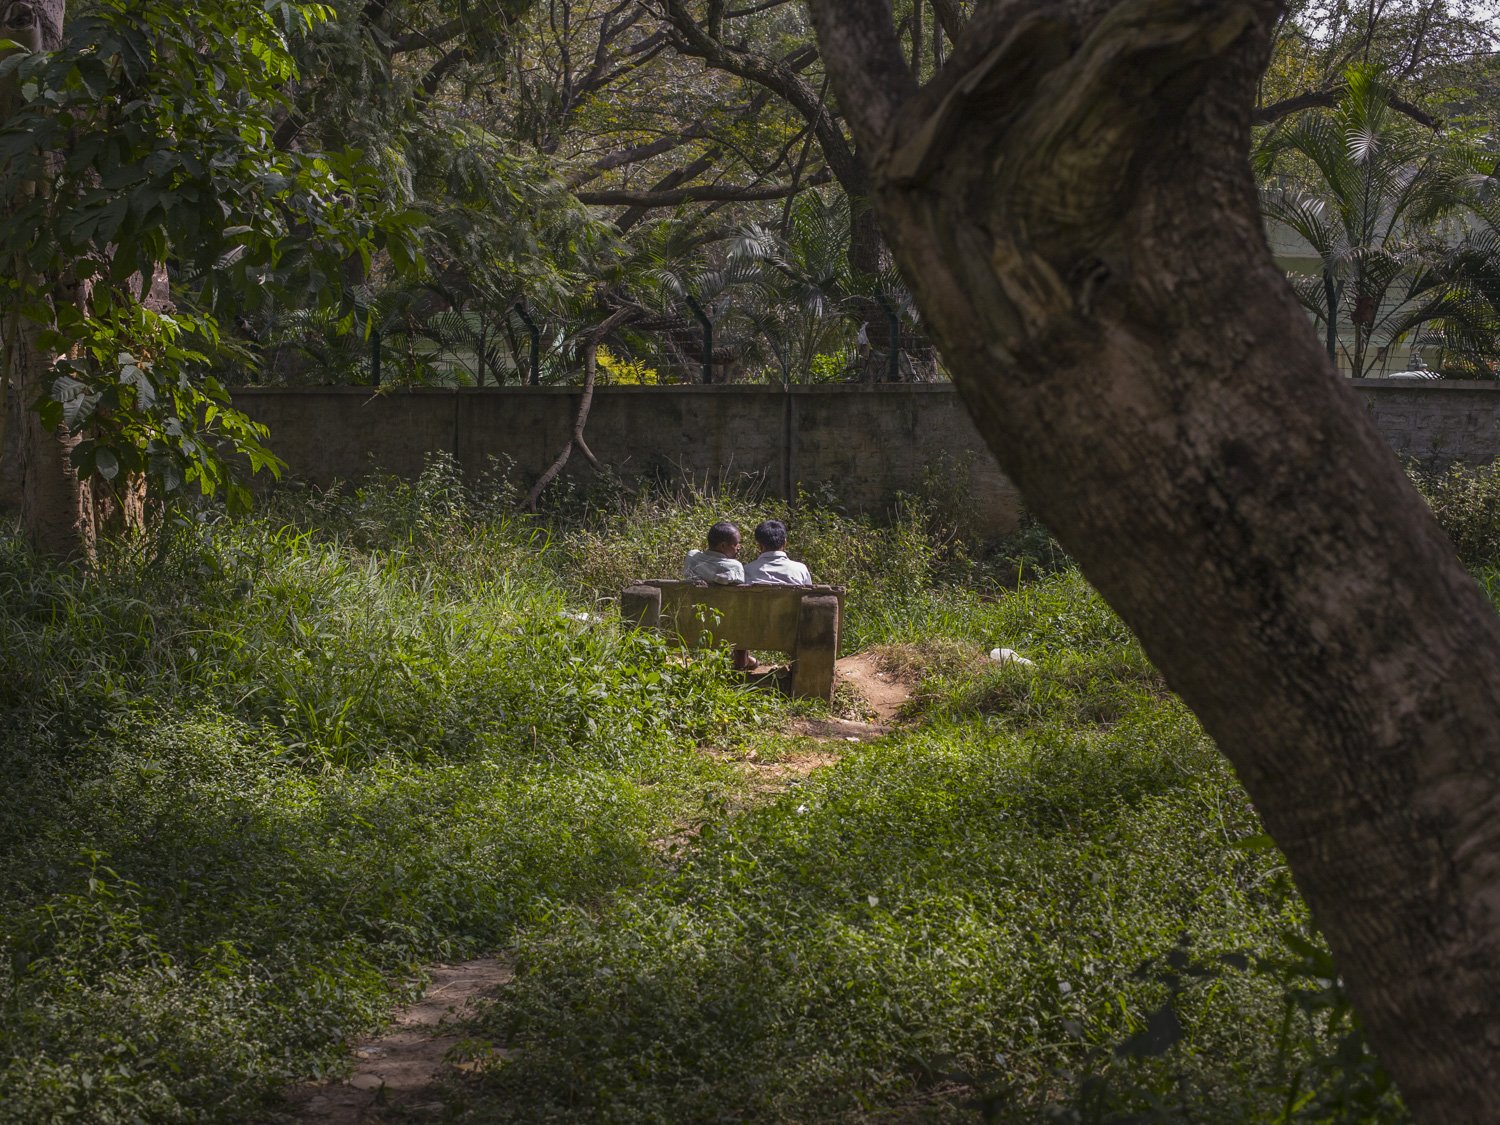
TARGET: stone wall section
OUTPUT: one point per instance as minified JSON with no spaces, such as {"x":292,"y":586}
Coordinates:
{"x":1437,"y":422}
{"x":864,"y":444}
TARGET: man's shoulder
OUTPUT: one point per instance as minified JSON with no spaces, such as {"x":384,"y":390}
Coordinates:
{"x":711,"y":566}
{"x":779,"y":569}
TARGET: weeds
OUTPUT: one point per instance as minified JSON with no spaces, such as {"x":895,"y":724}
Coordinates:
{"x":1466,"y":501}
{"x":259,"y":776}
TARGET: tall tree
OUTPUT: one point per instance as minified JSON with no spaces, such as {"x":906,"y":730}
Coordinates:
{"x":1432,"y":51}
{"x":51,"y":504}
{"x":136,"y":161}
{"x":1072,"y":202}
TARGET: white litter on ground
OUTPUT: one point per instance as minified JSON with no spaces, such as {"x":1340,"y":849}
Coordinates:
{"x":1009,"y":656}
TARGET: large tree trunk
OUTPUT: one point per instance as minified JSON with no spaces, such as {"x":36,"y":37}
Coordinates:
{"x":10,"y":467}
{"x":54,"y":510}
{"x":61,"y":515}
{"x":1072,"y":203}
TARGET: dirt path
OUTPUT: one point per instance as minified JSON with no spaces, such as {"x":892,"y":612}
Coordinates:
{"x":881,"y":696}
{"x":400,"y":1070}
{"x":885,"y":692}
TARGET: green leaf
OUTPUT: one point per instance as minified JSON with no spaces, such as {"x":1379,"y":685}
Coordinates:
{"x":106,"y":464}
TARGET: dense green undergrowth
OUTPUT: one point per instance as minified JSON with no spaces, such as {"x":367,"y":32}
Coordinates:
{"x":254,"y":781}
{"x":261,"y":774}
{"x":963,"y":914}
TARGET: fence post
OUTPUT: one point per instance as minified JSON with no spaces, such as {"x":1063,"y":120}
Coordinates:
{"x":893,"y":352}
{"x":536,"y":341}
{"x":708,"y":338}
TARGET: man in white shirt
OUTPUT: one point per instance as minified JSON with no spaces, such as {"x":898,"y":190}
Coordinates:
{"x":772,"y":566}
{"x":719,"y":565}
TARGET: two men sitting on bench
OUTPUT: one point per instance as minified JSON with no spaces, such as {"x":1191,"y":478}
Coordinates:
{"x":720,"y":565}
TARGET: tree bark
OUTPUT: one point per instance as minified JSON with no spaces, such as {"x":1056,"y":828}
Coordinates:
{"x":1072,"y":203}
{"x":585,"y":401}
{"x":54,"y":515}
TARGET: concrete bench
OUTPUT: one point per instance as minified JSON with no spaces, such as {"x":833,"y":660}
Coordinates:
{"x":803,"y":621}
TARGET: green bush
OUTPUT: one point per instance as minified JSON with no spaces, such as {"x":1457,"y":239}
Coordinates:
{"x":1466,"y":501}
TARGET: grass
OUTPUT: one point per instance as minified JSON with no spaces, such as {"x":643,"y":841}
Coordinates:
{"x":973,"y":896}
{"x":256,"y":782}
{"x":260,"y":776}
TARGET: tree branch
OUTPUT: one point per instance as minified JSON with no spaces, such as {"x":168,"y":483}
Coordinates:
{"x":949,"y":17}
{"x":575,"y":439}
{"x":1327,"y":99}
{"x":858,"y":42}
{"x":702,"y":193}
{"x":778,"y":77}
{"x":698,"y":130}
{"x":753,"y":9}
{"x":437,"y":37}
{"x":444,"y":67}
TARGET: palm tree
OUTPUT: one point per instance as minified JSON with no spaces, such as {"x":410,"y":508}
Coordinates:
{"x":1381,"y":201}
{"x":812,"y":300}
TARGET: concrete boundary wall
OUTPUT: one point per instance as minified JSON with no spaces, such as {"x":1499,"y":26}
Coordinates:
{"x":865,"y":444}
{"x":1437,"y":422}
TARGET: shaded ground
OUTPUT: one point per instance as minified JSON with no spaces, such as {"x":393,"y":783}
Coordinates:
{"x":401,"y":1074}
{"x":399,"y":1071}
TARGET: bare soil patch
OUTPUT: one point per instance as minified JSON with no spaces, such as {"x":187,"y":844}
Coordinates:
{"x":875,"y":682}
{"x":837,"y":730}
{"x":401,"y":1071}
{"x":773,"y":775}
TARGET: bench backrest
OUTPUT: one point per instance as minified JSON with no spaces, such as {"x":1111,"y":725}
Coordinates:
{"x":758,"y":616}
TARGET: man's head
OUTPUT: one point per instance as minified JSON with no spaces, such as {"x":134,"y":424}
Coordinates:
{"x":724,"y":537}
{"x":771,"y":536}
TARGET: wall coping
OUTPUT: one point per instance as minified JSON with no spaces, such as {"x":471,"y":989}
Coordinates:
{"x":1388,"y":383}
{"x":668,"y":388}
{"x":1396,"y":383}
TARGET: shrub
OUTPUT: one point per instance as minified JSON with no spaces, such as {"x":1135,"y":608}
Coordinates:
{"x":1466,"y":501}
{"x":256,"y":779}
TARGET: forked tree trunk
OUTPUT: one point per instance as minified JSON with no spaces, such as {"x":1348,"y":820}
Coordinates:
{"x":1073,"y":205}
{"x":576,"y":440}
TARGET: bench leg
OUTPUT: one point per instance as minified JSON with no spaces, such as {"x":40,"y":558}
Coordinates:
{"x":817,"y":648}
{"x":641,"y":606}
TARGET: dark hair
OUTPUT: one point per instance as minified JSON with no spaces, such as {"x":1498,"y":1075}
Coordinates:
{"x":722,"y":534}
{"x":771,"y":535}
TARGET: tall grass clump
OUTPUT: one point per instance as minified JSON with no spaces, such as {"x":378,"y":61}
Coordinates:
{"x":259,"y":773}
{"x":648,"y":532}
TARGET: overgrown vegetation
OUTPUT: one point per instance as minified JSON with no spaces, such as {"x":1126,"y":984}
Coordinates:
{"x":1466,"y":501}
{"x":260,"y":776}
